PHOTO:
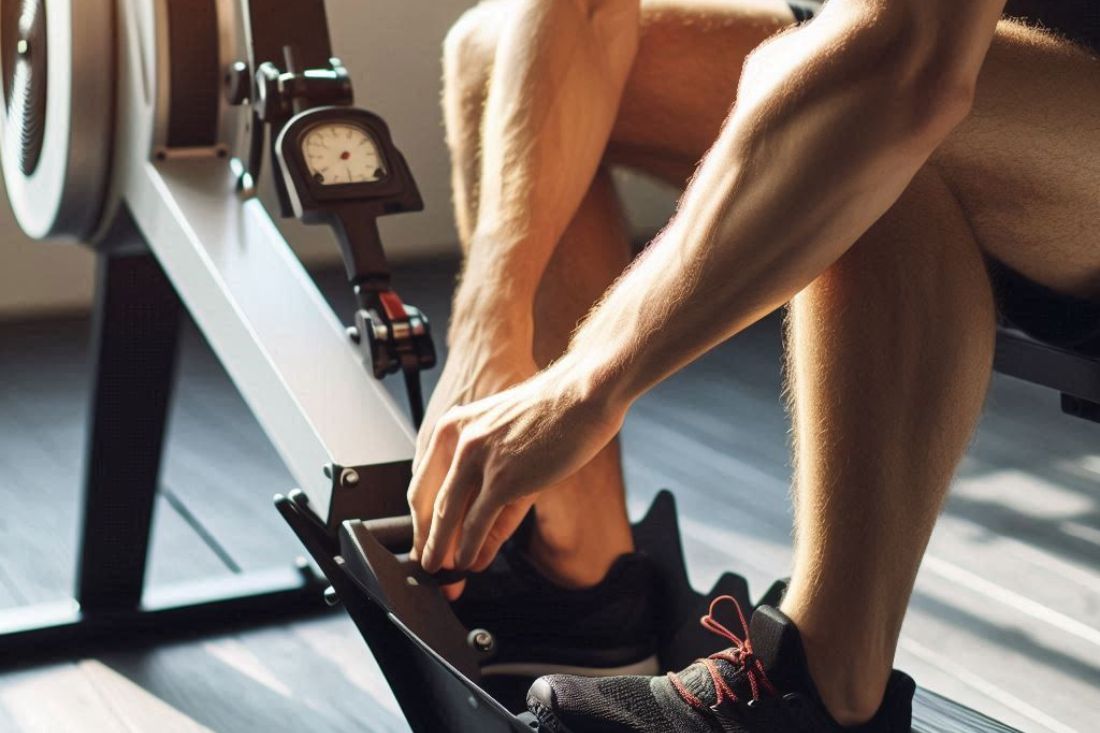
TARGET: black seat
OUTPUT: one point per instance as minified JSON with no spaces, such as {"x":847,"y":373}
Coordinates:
{"x":1074,"y":374}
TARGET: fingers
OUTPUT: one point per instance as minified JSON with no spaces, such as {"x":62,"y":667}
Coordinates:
{"x":507,"y":522}
{"x":457,"y":490}
{"x":426,"y":480}
{"x":458,"y":520}
{"x":480,"y":522}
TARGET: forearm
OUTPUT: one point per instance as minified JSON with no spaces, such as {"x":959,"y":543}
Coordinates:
{"x":558,"y":74}
{"x":819,"y":145}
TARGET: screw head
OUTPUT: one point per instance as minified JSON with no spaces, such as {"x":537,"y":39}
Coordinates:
{"x":481,"y":640}
{"x":349,"y":478}
{"x":23,"y":47}
{"x":238,"y":83}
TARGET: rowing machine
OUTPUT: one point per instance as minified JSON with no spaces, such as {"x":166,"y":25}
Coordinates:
{"x":144,"y":126}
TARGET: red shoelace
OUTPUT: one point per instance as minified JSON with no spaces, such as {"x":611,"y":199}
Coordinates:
{"x":740,"y":655}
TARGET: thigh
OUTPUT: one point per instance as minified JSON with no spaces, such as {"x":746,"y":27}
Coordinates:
{"x":684,"y":79}
{"x":681,"y":86}
{"x":1026,"y":165}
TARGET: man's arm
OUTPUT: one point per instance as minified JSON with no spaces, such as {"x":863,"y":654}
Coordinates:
{"x":833,"y":120}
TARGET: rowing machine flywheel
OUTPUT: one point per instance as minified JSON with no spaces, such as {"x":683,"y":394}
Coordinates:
{"x":57,"y":58}
{"x":25,"y":77}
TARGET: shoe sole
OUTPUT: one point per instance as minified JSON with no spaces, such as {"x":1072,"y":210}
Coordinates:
{"x":647,"y":667}
{"x":548,"y":722}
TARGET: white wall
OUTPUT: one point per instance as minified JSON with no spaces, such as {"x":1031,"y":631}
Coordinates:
{"x":391,"y":48}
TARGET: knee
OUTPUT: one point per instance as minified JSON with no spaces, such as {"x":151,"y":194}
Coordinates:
{"x":922,"y":252}
{"x":469,"y":47}
{"x":468,"y":52}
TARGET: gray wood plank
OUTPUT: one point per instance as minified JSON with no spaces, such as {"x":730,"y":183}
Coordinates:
{"x":56,"y":698}
{"x":273,"y":679}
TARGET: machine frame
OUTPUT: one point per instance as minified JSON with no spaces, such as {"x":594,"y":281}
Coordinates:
{"x":178,"y":229}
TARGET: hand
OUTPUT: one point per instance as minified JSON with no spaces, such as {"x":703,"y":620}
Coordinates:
{"x":477,"y":366}
{"x":489,"y":352}
{"x":486,"y":462}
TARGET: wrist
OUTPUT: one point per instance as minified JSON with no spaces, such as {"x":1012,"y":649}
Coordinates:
{"x":597,"y":386}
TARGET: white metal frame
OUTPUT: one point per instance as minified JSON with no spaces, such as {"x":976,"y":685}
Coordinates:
{"x":282,"y":345}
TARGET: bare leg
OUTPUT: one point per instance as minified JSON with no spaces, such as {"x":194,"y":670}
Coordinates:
{"x":670,"y":114}
{"x":891,"y":351}
{"x":581,"y":525}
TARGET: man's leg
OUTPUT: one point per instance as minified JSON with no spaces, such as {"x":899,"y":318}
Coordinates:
{"x":582,"y":524}
{"x":892,"y":346}
{"x":890,"y":353}
{"x":891,"y":350}
{"x":571,"y":543}
{"x":671,"y":112}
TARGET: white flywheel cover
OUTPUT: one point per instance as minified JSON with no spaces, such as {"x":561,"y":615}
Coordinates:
{"x":63,"y":196}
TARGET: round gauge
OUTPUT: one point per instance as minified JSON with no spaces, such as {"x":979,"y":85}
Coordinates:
{"x":340,"y":153}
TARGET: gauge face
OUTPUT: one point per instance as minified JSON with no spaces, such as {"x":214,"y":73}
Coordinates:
{"x":338,"y":153}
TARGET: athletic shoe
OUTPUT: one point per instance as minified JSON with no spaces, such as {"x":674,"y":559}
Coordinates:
{"x":760,"y":684}
{"x":537,"y":627}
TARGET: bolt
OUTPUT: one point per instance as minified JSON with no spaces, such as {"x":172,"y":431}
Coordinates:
{"x":331,"y":599}
{"x":349,"y":478}
{"x":481,"y":640}
{"x":23,"y":47}
{"x":237,"y":83}
{"x":411,"y":581}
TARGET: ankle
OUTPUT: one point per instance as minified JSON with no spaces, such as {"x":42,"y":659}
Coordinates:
{"x":854,"y":705}
{"x":851,"y":689}
{"x":849,"y":672}
{"x":576,"y":554}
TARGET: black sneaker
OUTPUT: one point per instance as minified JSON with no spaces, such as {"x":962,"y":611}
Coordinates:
{"x":538,"y":627}
{"x":760,"y":684}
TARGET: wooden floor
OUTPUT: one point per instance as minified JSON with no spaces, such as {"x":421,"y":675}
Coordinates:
{"x":1006,"y":615}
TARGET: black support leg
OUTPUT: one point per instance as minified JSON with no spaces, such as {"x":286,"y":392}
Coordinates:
{"x":135,"y":333}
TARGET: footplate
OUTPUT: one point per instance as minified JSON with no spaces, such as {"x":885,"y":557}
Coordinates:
{"x":433,"y":663}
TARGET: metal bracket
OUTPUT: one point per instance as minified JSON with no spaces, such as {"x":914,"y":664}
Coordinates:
{"x":395,"y":337}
